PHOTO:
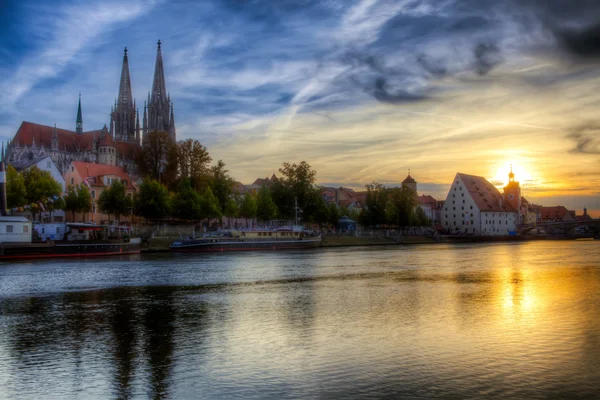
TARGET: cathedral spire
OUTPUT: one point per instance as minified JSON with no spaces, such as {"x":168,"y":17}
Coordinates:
{"x":125,"y":97}
{"x":159,"y":88}
{"x":79,"y":122}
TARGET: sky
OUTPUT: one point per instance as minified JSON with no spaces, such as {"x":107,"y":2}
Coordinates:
{"x":363,"y":90}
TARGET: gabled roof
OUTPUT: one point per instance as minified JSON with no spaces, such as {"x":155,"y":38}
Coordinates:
{"x":42,"y":135}
{"x":92,"y":170}
{"x":554,"y":212}
{"x":426,"y":199}
{"x":486,"y":196}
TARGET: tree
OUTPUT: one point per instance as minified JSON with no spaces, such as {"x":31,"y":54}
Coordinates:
{"x":210,"y":205}
{"x":321,"y":212}
{"x":191,"y":160}
{"x":297,"y":183}
{"x":334,"y":214}
{"x":114,"y":201}
{"x":231,"y":209}
{"x":400,"y":206}
{"x":152,"y":200}
{"x":154,"y":157}
{"x":40,"y":187}
{"x":221,"y":183}
{"x":16,"y":195}
{"x":376,"y":202}
{"x":186,"y":202}
{"x":72,"y":200}
{"x":78,"y":199}
{"x":266,"y":209}
{"x":421,"y":218}
{"x":248,"y":207}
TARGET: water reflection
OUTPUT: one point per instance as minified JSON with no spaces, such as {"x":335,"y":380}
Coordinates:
{"x":469,"y":321}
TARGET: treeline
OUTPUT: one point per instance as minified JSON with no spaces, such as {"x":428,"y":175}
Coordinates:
{"x":395,"y":206}
{"x":179,"y":182}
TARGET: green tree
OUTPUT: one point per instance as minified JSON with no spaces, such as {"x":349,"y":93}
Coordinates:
{"x":334,"y":214}
{"x":421,"y":218}
{"x":400,"y":207}
{"x":297,"y":183}
{"x":84,"y":198}
{"x":231,"y":209}
{"x":221,"y":183}
{"x":186,"y":203}
{"x":375,"y":208}
{"x":40,"y":186}
{"x":191,"y":160}
{"x":72,"y":201}
{"x":16,"y":194}
{"x":248,"y":207}
{"x":266,"y":209}
{"x":152,"y":200}
{"x":114,"y":201}
{"x":321,"y":212}
{"x":210,"y":205}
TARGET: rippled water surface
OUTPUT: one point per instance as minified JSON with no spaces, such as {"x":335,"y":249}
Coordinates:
{"x":434,"y":321}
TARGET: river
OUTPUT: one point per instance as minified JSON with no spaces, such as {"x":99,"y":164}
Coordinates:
{"x":504,"y":320}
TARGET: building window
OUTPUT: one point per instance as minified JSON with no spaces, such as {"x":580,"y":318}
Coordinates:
{"x":9,"y":228}
{"x":454,"y":208}
{"x":25,"y":229}
{"x":463,"y":202}
{"x":72,"y":181}
{"x":453,"y":195}
{"x":72,"y":169}
{"x":93,"y":194}
{"x":453,"y":202}
{"x":462,"y":208}
{"x":471,"y":207}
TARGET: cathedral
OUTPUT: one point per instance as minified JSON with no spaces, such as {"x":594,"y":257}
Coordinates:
{"x":118,"y":144}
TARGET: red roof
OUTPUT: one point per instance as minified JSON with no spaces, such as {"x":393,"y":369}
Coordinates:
{"x":555,"y":212}
{"x":426,"y":199}
{"x":87,"y":170}
{"x":486,"y":196}
{"x":42,"y":134}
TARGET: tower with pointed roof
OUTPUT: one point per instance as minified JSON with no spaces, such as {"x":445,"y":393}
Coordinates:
{"x":160,"y":116}
{"x":409,"y":182}
{"x":79,"y":122}
{"x":512,"y":192}
{"x":123,"y":114}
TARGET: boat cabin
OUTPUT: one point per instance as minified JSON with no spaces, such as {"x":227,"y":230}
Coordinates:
{"x":15,"y":230}
{"x":274,"y":235}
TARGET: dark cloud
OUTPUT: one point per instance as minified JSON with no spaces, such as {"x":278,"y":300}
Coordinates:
{"x":587,"y":139}
{"x":584,"y":42}
{"x":383,"y":92}
{"x":435,"y":68}
{"x":487,"y":56}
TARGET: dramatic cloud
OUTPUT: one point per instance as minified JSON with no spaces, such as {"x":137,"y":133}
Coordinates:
{"x":362,"y":89}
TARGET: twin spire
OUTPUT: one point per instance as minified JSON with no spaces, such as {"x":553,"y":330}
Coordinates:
{"x":125,"y":119}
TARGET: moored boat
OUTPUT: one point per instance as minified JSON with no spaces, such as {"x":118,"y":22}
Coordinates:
{"x":78,"y":240}
{"x":279,"y":239}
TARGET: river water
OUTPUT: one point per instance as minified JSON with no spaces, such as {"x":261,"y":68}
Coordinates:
{"x":431,"y":321}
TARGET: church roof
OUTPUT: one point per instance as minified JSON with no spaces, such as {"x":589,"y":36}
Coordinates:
{"x":409,"y":179}
{"x":486,"y":196}
{"x":42,"y":135}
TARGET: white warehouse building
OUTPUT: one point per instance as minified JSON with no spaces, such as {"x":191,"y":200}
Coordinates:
{"x":475,"y":206}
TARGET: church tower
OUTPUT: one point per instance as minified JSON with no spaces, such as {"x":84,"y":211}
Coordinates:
{"x":123,"y":114}
{"x":79,"y":122}
{"x":160,"y":109}
{"x":512,"y":194}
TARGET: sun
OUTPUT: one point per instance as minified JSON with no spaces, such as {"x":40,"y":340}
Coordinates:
{"x":502,"y":171}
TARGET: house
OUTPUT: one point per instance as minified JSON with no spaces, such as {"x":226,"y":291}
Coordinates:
{"x":255,"y":186}
{"x":97,"y":177}
{"x":427,"y":203}
{"x":474,"y":206}
{"x":556,"y":214}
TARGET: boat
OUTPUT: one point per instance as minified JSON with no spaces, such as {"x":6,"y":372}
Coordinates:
{"x":68,"y":240}
{"x":256,"y":239}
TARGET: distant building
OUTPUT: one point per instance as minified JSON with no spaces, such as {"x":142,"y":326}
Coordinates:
{"x":556,"y":214}
{"x":427,"y":204}
{"x":584,"y":217}
{"x":409,"y":182}
{"x":474,"y":206}
{"x":255,"y":186}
